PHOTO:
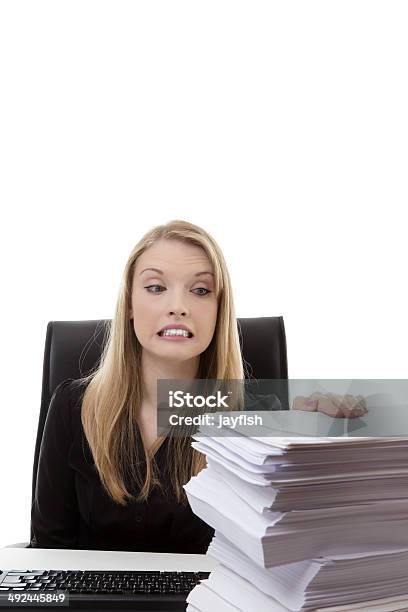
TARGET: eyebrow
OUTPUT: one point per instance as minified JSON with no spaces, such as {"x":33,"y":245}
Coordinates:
{"x":161,"y":272}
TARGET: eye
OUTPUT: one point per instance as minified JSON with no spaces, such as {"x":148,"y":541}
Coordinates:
{"x":202,"y":289}
{"x":151,"y":286}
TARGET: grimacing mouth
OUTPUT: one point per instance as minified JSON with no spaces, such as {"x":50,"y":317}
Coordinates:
{"x":160,"y":333}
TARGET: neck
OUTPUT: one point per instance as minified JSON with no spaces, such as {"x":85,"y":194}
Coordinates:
{"x":154,"y":368}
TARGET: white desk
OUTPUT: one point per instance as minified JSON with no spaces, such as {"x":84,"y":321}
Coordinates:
{"x":66,"y":559}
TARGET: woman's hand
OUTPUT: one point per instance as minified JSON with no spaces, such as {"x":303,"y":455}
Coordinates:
{"x":343,"y":406}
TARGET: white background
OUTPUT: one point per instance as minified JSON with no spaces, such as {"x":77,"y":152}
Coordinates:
{"x":279,"y":127}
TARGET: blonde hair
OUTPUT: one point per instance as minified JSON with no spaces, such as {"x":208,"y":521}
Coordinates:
{"x":113,"y":395}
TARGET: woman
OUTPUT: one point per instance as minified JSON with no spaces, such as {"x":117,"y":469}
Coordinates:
{"x":105,"y":480}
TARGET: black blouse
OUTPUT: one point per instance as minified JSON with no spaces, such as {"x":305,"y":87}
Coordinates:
{"x":71,"y":509}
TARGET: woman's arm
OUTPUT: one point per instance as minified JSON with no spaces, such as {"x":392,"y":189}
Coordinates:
{"x":54,"y":512}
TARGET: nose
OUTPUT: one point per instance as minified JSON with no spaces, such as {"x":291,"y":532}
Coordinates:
{"x":178,"y":311}
{"x":178,"y":305}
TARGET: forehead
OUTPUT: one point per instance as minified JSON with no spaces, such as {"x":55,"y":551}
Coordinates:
{"x":173,"y":255}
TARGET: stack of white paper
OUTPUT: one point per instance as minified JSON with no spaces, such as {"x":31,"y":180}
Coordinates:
{"x":303,"y":523}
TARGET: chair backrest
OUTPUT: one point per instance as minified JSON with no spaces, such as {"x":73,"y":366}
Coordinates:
{"x":73,"y":348}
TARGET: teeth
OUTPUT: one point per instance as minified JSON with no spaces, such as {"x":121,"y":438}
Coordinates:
{"x":175,"y":332}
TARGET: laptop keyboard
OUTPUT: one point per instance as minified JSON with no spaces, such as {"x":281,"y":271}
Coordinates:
{"x":100,"y":582}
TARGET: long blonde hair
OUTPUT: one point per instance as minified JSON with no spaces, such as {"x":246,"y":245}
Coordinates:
{"x":113,"y":395}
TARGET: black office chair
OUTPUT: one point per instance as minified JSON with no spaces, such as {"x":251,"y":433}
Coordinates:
{"x":73,"y":348}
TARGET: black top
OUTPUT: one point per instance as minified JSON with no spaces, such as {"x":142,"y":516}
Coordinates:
{"x":71,"y":509}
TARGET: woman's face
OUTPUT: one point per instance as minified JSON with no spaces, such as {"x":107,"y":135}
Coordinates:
{"x":180,"y":291}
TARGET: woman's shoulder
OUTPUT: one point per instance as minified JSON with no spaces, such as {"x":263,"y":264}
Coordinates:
{"x":72,"y":388}
{"x":64,"y":417}
{"x":68,"y":395}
